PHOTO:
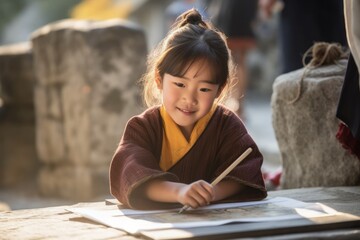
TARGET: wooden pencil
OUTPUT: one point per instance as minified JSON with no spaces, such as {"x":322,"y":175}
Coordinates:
{"x":225,"y":173}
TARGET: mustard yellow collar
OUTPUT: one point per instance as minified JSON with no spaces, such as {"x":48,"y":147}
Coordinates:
{"x":174,"y":144}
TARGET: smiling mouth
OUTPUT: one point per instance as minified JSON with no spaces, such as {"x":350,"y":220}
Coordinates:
{"x":186,"y":111}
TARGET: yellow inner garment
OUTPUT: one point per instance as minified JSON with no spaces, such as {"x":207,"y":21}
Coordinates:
{"x":175,"y":145}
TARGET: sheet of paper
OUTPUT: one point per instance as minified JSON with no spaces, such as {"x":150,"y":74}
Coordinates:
{"x":271,"y":209}
{"x":119,"y":210}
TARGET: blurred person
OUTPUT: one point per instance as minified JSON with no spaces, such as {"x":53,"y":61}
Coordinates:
{"x":171,"y":152}
{"x":302,"y":23}
{"x":348,"y":110}
{"x":236,"y":18}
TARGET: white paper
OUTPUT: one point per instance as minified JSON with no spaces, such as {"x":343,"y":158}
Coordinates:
{"x":271,"y":209}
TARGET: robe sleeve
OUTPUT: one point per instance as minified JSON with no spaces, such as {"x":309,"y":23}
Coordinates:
{"x":134,"y":163}
{"x":234,"y":140}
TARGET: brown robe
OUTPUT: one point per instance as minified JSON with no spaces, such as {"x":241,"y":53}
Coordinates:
{"x":225,"y":138}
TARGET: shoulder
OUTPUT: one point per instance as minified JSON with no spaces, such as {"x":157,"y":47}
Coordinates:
{"x":228,"y":122}
{"x":224,"y":110}
{"x":222,"y":113}
{"x":148,"y":122}
{"x":149,"y":116}
{"x":145,"y":127}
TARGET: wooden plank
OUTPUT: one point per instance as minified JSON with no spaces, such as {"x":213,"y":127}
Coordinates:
{"x":54,"y":223}
{"x":257,"y":229}
{"x":57,"y":223}
{"x":342,"y":199}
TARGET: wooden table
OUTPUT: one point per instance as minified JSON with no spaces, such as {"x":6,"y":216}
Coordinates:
{"x":57,"y":223}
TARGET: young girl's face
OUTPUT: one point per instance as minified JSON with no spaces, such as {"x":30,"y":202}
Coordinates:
{"x":190,"y":97}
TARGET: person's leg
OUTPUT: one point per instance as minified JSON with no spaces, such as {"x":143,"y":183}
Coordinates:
{"x":239,"y":49}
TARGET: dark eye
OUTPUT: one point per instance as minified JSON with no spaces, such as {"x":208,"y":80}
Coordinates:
{"x":205,"y":89}
{"x":179,"y":84}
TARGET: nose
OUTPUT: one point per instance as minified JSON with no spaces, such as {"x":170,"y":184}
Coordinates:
{"x":190,"y":97}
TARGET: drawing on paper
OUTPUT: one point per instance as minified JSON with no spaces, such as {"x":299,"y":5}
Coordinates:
{"x":133,"y":221}
{"x":264,"y":210}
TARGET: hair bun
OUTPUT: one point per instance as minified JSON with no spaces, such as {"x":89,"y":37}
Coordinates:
{"x":191,"y":16}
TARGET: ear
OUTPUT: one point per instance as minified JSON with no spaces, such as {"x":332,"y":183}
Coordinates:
{"x":158,"y":80}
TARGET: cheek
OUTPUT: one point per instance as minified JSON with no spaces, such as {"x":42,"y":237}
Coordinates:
{"x":170,"y":93}
{"x":208,"y":99}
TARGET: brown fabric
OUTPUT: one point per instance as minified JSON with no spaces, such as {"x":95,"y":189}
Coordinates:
{"x":136,"y":159}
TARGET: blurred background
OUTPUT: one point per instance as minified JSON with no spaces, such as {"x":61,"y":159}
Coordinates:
{"x":51,"y":151}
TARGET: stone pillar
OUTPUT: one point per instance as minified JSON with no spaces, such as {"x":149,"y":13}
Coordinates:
{"x":86,"y":91}
{"x":18,"y":159}
{"x":306,"y":129}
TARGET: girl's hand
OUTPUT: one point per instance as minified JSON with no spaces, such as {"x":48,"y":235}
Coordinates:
{"x":196,"y":194}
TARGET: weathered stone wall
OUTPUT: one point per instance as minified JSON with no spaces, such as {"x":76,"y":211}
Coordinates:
{"x":86,"y":90}
{"x":306,"y":129}
{"x":18,"y":158}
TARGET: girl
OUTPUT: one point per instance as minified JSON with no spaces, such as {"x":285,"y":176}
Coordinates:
{"x":171,"y":152}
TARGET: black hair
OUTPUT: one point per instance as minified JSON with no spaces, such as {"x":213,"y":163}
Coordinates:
{"x":191,"y":39}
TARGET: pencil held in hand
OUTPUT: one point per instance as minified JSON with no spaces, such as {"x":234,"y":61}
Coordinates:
{"x":225,"y":173}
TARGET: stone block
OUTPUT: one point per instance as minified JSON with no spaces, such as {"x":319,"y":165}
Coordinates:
{"x":81,"y":183}
{"x":18,"y":157}
{"x":16,"y":75}
{"x":86,"y":91}
{"x":306,"y":129}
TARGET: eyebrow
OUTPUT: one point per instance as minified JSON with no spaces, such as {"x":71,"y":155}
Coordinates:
{"x":202,"y":81}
